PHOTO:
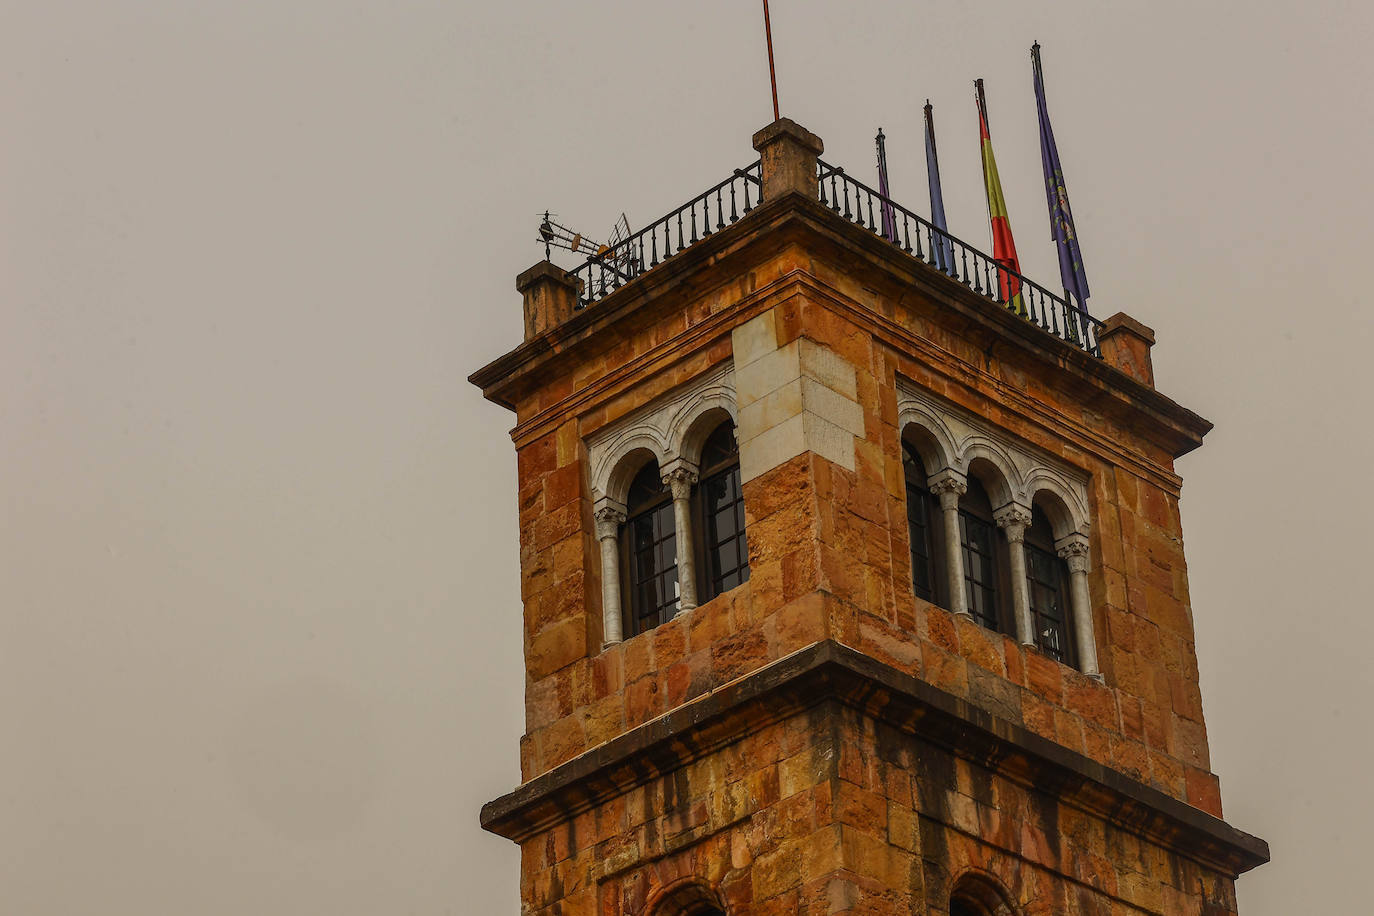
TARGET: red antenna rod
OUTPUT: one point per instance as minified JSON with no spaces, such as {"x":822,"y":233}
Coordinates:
{"x":772,"y":73}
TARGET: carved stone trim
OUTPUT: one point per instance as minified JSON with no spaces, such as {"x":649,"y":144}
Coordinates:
{"x":608,"y":521}
{"x":660,"y":427}
{"x":958,"y":438}
{"x":947,"y":486}
{"x":680,"y":481}
{"x":1013,"y":519}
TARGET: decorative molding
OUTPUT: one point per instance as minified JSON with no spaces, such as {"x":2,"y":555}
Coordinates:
{"x":1013,"y":519}
{"x":1074,"y":550}
{"x":667,"y":428}
{"x":952,"y":439}
{"x":608,"y":522}
{"x":680,"y":481}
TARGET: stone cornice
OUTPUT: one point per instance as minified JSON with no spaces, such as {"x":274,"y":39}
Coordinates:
{"x":828,"y":671}
{"x":716,"y":261}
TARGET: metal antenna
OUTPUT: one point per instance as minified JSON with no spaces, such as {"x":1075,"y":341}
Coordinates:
{"x":554,"y":235}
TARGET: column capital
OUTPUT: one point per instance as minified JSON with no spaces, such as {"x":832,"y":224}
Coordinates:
{"x":1013,"y":519}
{"x":609,"y":515}
{"x":679,"y":476}
{"x":1073,"y":548}
{"x":948,"y":485}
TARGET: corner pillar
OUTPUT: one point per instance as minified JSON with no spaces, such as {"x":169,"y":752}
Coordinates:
{"x":550,"y":297}
{"x":788,"y":152}
{"x":1125,"y":343}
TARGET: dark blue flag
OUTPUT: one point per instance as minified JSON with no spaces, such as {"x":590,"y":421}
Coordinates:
{"x":941,"y":247}
{"x":1057,"y":197}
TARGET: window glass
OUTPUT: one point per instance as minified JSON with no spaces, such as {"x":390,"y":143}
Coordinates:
{"x":982,"y":558}
{"x":1047,"y":578}
{"x":721,"y":510}
{"x":920,"y":513}
{"x":651,"y":544}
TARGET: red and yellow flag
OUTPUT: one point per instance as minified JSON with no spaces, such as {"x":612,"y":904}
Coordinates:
{"x":1003,"y":245}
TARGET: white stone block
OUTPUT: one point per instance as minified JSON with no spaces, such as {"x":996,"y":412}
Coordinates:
{"x":755,"y":338}
{"x":772,"y":447}
{"x":829,"y":368}
{"x":830,"y":405}
{"x":767,"y":374}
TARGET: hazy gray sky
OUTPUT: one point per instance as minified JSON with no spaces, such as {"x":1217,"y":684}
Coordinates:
{"x":259,"y":618}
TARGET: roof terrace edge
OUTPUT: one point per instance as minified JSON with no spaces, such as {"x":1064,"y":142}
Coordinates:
{"x":771,"y":224}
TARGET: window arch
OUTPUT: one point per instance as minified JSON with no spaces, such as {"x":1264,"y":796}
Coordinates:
{"x":649,"y":549}
{"x":689,"y":898}
{"x":923,"y":521}
{"x":977,"y":895}
{"x":984,"y":561}
{"x":719,"y":514}
{"x":1047,"y":585}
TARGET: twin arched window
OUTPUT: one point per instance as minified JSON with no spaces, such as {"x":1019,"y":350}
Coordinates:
{"x":661,"y":572}
{"x":980,"y":582}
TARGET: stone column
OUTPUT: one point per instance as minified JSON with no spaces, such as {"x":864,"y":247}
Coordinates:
{"x":609,"y":518}
{"x":1074,"y":550}
{"x":680,"y":477}
{"x":948,"y":485}
{"x":1013,"y":519}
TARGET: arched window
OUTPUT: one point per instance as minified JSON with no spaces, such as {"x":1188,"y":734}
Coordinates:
{"x":720,"y":514}
{"x":1047,"y":582}
{"x":983,"y":555}
{"x":977,"y":895}
{"x":922,"y":517}
{"x":649,"y":546}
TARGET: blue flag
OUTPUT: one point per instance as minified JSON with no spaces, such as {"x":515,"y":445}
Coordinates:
{"x":1057,"y":198}
{"x":941,"y":248}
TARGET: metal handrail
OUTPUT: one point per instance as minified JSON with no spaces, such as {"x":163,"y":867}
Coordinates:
{"x":952,"y":256}
{"x":611,"y":268}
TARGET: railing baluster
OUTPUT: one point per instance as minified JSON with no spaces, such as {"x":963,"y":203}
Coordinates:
{"x":600,"y":276}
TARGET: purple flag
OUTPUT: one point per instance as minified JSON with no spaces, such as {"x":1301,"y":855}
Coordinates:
{"x":1057,"y":198}
{"x":940,"y":247}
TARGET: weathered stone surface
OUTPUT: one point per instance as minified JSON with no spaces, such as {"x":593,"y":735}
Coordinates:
{"x":835,"y":807}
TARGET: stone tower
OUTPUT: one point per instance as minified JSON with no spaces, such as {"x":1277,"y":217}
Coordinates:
{"x":853,"y":578}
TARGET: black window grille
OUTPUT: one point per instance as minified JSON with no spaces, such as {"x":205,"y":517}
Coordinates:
{"x":650,"y":547}
{"x":921,"y":516}
{"x":982,"y":554}
{"x":1047,"y":579}
{"x":721,"y":511}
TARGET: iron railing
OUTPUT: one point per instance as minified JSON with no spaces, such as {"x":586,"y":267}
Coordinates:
{"x":858,"y":203}
{"x":701,"y":217}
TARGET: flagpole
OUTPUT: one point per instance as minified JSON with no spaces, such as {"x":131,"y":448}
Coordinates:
{"x":772,"y":72}
{"x":982,"y":105}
